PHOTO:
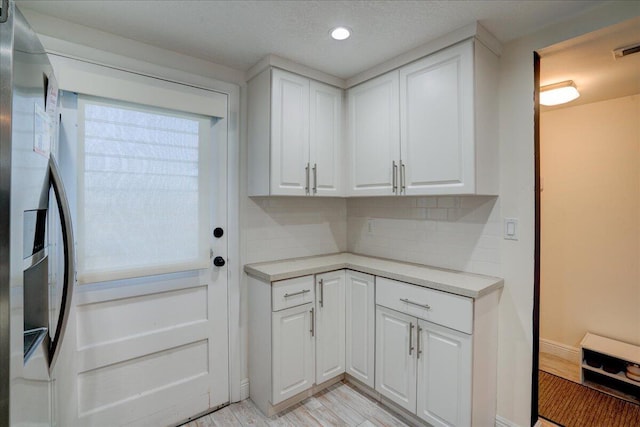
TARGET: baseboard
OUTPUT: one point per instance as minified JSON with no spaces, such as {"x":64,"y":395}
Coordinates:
{"x":503,"y":422}
{"x":244,"y":389}
{"x":563,"y":351}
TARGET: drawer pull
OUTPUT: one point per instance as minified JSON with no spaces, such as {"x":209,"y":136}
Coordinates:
{"x":302,"y":292}
{"x":427,"y":306}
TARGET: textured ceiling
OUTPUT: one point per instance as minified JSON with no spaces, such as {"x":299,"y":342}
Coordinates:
{"x":238,"y":34}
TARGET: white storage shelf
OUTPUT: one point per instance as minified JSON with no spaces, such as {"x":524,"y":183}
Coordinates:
{"x":612,"y":352}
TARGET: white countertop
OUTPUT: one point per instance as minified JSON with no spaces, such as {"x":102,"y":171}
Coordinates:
{"x":455,"y":282}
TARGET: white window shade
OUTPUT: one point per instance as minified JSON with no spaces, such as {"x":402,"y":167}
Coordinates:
{"x":143,"y":190}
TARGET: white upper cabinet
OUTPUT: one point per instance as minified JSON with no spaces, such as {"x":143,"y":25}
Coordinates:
{"x":436,"y":123}
{"x":438,"y":126}
{"x":325,"y":140}
{"x":294,"y":136}
{"x":374,"y":137}
{"x":289,"y":134}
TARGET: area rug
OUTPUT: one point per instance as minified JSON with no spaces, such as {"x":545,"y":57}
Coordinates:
{"x":574,"y":405}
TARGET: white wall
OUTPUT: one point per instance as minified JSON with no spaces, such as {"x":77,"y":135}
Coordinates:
{"x":590,"y":245}
{"x":460,"y":233}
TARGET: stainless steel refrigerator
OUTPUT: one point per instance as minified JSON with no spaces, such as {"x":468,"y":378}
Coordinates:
{"x":36,"y":240}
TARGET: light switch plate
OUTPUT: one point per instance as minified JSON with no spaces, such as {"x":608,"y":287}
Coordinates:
{"x":511,"y":229}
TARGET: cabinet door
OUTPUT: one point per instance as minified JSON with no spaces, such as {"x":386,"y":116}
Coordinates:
{"x":329,"y":325}
{"x":289,"y":133}
{"x":437,"y":123}
{"x":396,"y":357}
{"x":374,"y":136}
{"x":293,"y":351}
{"x":360,"y":326}
{"x":325,"y":140}
{"x":444,"y":375}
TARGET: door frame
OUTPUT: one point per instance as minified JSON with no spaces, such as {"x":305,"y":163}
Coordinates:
{"x":535,"y":365}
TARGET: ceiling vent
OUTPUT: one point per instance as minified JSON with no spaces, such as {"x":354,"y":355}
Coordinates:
{"x":624,"y":51}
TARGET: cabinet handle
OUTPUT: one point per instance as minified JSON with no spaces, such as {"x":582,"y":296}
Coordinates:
{"x":321,"y":282}
{"x":411,"y":337}
{"x":402,"y":175}
{"x":302,"y":292}
{"x":313,"y":333}
{"x":394,"y":177}
{"x":427,"y":306}
{"x":315,"y":178}
{"x":418,"y":342}
{"x":306,"y":185}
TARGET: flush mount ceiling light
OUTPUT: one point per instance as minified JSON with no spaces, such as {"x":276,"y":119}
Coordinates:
{"x":558,"y":93}
{"x":340,"y":33}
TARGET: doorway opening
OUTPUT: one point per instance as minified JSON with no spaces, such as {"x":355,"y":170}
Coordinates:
{"x":587,"y":249}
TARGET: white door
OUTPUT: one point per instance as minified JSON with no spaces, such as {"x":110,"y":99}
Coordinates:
{"x":396,"y":357}
{"x":292,"y":332}
{"x":374,"y":136}
{"x":330,"y":331}
{"x":325,"y":140}
{"x":436,"y":123}
{"x":289,"y":134}
{"x":444,"y":376}
{"x":360,"y":326}
{"x":150,"y":350}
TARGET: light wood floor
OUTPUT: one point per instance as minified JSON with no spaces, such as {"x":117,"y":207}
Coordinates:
{"x":343,"y":405}
{"x":338,"y":405}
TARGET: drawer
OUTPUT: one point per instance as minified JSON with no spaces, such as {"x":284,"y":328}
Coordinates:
{"x":452,"y":311}
{"x":292,"y":292}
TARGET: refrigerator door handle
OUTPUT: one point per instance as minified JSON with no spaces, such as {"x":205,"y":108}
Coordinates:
{"x":69,"y":261}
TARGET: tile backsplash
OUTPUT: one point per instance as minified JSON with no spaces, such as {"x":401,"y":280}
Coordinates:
{"x":290,"y":227}
{"x":461,"y":233}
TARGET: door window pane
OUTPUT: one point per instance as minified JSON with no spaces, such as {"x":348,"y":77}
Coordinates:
{"x":142,"y":204}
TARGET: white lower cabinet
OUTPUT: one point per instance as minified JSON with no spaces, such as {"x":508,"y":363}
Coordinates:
{"x":360,"y":326}
{"x":444,"y":375}
{"x":430,"y":353}
{"x":293,"y":351}
{"x":296,"y":337}
{"x":330,"y":326}
{"x":395,"y":357}
{"x":424,"y":368}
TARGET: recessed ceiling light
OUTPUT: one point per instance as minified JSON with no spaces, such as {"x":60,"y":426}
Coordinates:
{"x":340,"y":33}
{"x":558,"y":93}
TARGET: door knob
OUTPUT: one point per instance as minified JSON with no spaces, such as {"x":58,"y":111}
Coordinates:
{"x":218,"y":261}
